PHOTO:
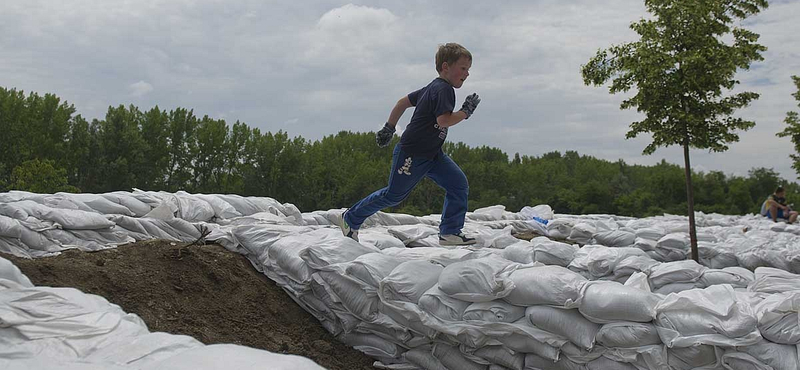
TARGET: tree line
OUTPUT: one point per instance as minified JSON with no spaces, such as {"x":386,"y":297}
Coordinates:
{"x":48,"y":148}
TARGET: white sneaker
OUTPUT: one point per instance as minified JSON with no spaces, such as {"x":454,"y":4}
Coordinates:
{"x":346,"y":230}
{"x":456,"y":239}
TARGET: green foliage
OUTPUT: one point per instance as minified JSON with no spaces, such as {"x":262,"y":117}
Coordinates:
{"x":40,"y":176}
{"x":679,"y":68}
{"x":792,"y":130}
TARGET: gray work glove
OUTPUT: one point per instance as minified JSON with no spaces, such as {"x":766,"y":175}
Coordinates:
{"x":470,"y":103}
{"x":384,"y":136}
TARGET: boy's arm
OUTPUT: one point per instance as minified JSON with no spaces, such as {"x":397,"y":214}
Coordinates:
{"x":398,"y":110}
{"x":450,"y":119}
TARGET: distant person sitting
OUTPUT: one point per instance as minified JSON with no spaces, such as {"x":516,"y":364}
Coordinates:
{"x":775,"y":207}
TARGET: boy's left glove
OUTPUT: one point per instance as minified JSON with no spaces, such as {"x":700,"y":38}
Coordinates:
{"x":470,"y":103}
{"x":384,"y":136}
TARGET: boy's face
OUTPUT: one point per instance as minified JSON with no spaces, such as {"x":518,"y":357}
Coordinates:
{"x":456,"y":74}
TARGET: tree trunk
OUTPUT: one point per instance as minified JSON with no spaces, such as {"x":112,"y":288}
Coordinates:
{"x":690,"y":201}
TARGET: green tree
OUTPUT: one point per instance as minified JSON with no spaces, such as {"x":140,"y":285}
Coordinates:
{"x":686,"y":55}
{"x":793,"y":128}
{"x":40,"y":176}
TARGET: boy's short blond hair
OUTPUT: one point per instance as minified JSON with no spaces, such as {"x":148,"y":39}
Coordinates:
{"x":450,"y":53}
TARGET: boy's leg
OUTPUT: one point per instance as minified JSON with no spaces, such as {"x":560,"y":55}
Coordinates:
{"x":773,"y":213}
{"x":449,"y":176}
{"x":792,"y":217}
{"x":406,"y":172}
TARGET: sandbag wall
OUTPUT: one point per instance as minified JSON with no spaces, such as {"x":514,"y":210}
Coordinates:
{"x":529,"y":305}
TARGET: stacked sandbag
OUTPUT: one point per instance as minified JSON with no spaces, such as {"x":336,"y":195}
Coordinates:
{"x":677,"y":276}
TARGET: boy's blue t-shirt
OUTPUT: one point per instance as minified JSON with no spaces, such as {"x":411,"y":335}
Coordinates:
{"x":423,"y":136}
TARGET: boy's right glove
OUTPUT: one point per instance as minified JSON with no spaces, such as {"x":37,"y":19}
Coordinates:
{"x":470,"y":103}
{"x":384,"y":136}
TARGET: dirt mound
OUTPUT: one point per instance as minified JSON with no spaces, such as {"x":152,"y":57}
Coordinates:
{"x":206,"y":292}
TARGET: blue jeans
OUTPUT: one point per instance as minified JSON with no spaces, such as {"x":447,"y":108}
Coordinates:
{"x":406,"y":172}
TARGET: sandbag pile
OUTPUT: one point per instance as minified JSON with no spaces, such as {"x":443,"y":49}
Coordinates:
{"x":609,"y":293}
{"x":64,"y":328}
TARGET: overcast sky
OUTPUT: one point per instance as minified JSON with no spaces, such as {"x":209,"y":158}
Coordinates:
{"x":313,"y":68}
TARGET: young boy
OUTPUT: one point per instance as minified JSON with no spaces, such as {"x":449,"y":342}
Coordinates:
{"x":775,"y":207}
{"x":419,"y":152}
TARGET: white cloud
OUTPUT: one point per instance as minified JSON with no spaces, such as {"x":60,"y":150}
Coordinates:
{"x":140,"y":89}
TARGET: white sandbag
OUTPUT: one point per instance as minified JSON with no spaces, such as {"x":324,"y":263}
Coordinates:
{"x":778,"y":356}
{"x":551,"y":252}
{"x":715,"y":255}
{"x":568,"y":323}
{"x":779,"y":317}
{"x":441,"y":305}
{"x":521,"y":252}
{"x":607,"y":301}
{"x":697,"y":357}
{"x":580,"y":260}
{"x":602,"y":261}
{"x":615,"y":238}
{"x":533,"y":340}
{"x":687,"y":271}
{"x":711,"y":316}
{"x":67,"y":218}
{"x":645,"y":244}
{"x":409,"y":281}
{"x":127,"y":200}
{"x":735,"y":276}
{"x":559,"y":228}
{"x":372,"y":345}
{"x":255,"y":240}
{"x":674,"y":242}
{"x":331,"y":248}
{"x":546,"y":285}
{"x":379,"y":238}
{"x":638,"y":280}
{"x":10,"y":227}
{"x":229,"y":356}
{"x":633,"y":264}
{"x":440,"y":255}
{"x":360,"y":303}
{"x":542,"y":211}
{"x":733,"y":360}
{"x":478,"y":280}
{"x":501,"y":356}
{"x":283,"y":255}
{"x":11,"y":272}
{"x":582,"y":233}
{"x":99,"y":204}
{"x":772,"y":280}
{"x":653,"y":233}
{"x":411,"y":233}
{"x":452,"y":358}
{"x":371,"y":268}
{"x":89,"y":240}
{"x":536,"y":362}
{"x":494,"y":311}
{"x":579,"y":355}
{"x":605,"y":363}
{"x":423,"y":357}
{"x":627,"y":334}
{"x":677,"y":288}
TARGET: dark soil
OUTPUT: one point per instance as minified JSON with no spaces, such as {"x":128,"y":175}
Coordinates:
{"x":206,"y":292}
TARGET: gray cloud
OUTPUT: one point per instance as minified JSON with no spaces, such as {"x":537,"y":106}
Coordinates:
{"x":313,"y":68}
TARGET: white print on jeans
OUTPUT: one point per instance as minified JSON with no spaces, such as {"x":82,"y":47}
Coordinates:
{"x":406,"y":169}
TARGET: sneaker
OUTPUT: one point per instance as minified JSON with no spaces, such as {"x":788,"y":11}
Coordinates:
{"x":456,"y":239}
{"x":346,"y":230}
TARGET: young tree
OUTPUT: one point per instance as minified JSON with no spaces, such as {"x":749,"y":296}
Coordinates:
{"x":793,"y":130}
{"x":679,"y":68}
